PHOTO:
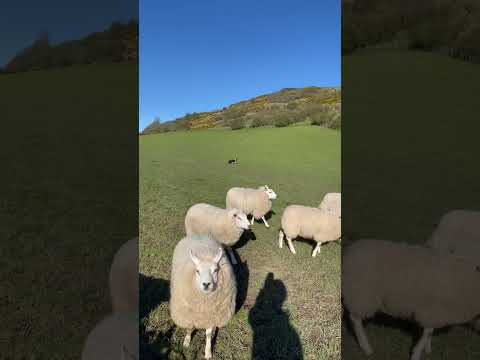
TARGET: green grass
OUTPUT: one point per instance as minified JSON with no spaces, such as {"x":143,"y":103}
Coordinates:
{"x":301,"y":164}
{"x":67,"y":190}
{"x":411,"y":153}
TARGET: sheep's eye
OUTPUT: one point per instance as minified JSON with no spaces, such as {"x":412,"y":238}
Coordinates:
{"x":198,"y":272}
{"x":234,"y":215}
{"x":477,"y":268}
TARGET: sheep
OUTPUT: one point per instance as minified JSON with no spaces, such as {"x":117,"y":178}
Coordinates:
{"x":409,"y":282}
{"x":114,"y":337}
{"x":458,"y":232}
{"x":257,"y":202}
{"x":225,"y":226}
{"x":123,"y":278}
{"x":203,"y":288}
{"x":332,"y":203}
{"x":309,"y":223}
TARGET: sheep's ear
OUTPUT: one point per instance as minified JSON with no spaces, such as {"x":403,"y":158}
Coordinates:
{"x":218,"y":256}
{"x":194,"y":258}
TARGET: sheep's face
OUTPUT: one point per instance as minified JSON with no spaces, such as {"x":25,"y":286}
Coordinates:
{"x":239,"y":219}
{"x":270,"y":193}
{"x":206,"y":272}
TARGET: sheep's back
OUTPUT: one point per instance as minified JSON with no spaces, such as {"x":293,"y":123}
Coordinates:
{"x":123,"y":277}
{"x":458,"y":232}
{"x":105,"y":341}
{"x":201,"y":219}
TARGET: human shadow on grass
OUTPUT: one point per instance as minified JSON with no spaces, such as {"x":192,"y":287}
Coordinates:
{"x":153,"y":292}
{"x":273,"y":335}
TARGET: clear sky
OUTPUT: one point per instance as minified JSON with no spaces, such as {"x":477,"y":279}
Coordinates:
{"x":22,"y":20}
{"x":202,"y":55}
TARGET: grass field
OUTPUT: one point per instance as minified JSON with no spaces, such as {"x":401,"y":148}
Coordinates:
{"x":68,"y":201}
{"x":286,"y":302}
{"x":410,"y":153}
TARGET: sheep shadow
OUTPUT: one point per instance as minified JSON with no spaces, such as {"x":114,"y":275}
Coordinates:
{"x":242,"y":275}
{"x":273,"y":335}
{"x":247,"y":236}
{"x":268,"y":216}
{"x":153,"y":292}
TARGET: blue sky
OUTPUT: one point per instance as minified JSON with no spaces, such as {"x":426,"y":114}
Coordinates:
{"x":22,"y":20}
{"x":202,"y":55}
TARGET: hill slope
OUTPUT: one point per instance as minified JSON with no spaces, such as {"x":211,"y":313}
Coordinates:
{"x":289,"y":105}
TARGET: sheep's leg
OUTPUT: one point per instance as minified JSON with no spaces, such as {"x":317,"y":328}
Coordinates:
{"x":361,"y":335}
{"x":428,"y":345}
{"x":265,"y":221}
{"x":317,"y":249}
{"x":188,"y":337}
{"x":232,"y":255}
{"x":290,"y":245}
{"x":280,"y":239}
{"x":253,"y":219}
{"x":422,"y":343}
{"x":208,"y":344}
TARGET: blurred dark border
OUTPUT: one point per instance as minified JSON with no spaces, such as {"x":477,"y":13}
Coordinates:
{"x":69,"y":176}
{"x":409,"y":137}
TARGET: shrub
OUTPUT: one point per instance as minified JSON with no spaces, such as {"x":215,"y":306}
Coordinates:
{"x":283,"y":120}
{"x":259,"y":121}
{"x":237,"y":124}
{"x":327,"y":116}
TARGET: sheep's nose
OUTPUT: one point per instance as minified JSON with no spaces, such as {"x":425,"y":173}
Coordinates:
{"x":206,"y":285}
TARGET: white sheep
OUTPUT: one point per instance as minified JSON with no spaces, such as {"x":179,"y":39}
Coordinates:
{"x":225,"y":226}
{"x":309,"y":223}
{"x":458,"y":232}
{"x":114,"y":337}
{"x":332,"y":203}
{"x":203,"y":288}
{"x":257,"y":202}
{"x":409,"y":282}
{"x":123,"y":278}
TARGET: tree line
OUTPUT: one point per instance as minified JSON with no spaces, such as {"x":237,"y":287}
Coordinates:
{"x":118,"y":43}
{"x":450,"y":27}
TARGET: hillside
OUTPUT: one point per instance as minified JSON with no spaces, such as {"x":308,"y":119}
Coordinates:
{"x":317,"y":105}
{"x":118,"y":43}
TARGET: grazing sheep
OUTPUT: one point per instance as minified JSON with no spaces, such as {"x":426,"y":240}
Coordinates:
{"x":332,"y":203}
{"x":309,"y":223}
{"x":225,"y":226}
{"x":123,"y":278}
{"x":409,"y":282}
{"x":203,"y":288}
{"x":257,"y":202}
{"x":114,"y":337}
{"x":458,"y":232}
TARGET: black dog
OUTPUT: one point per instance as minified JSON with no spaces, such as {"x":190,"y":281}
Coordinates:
{"x":234,"y":161}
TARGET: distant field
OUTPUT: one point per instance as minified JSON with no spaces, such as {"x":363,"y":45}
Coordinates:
{"x":66,"y":205}
{"x":301,"y":306}
{"x":410,"y":154}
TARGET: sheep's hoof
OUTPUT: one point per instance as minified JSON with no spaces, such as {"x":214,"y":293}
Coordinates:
{"x":186,"y":342}
{"x":208,"y":355}
{"x":267,"y":225}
